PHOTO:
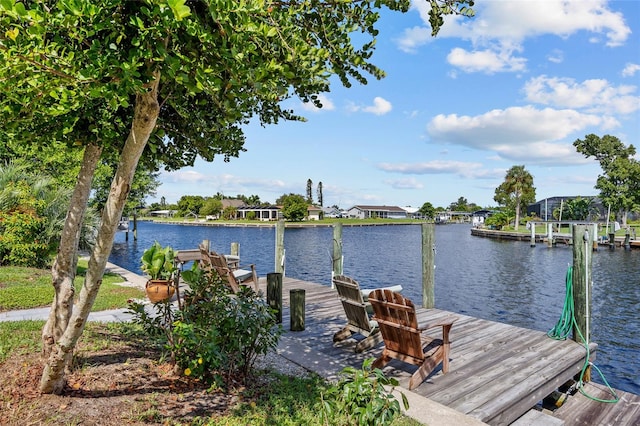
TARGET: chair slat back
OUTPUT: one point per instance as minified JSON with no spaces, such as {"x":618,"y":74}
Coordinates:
{"x":354,"y":305}
{"x":213,"y":261}
{"x":396,"y":317}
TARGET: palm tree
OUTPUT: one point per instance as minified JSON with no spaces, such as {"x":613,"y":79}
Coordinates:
{"x":516,"y":190}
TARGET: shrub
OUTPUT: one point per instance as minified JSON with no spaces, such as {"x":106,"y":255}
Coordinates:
{"x":361,"y":396}
{"x":216,"y":336}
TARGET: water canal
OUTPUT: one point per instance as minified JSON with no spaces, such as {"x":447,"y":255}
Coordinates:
{"x":505,"y":281}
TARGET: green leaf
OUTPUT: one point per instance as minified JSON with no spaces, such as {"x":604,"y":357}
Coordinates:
{"x":179,"y":9}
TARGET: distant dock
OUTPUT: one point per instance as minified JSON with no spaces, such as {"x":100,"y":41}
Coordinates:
{"x":556,"y":239}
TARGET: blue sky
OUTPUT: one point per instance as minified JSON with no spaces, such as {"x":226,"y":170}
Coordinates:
{"x":516,"y":85}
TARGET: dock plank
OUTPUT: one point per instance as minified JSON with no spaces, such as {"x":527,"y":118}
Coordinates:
{"x":579,"y":410}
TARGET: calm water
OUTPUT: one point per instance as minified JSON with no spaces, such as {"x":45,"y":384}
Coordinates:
{"x":504,"y":281}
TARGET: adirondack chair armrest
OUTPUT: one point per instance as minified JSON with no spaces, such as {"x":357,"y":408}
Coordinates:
{"x":443,"y":322}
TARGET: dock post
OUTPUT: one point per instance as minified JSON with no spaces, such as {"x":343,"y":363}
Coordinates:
{"x":533,"y":233}
{"x":206,"y":245}
{"x":549,"y":234}
{"x":279,"y":267}
{"x":296,"y":303}
{"x":612,"y":240}
{"x":595,"y":237}
{"x":337,"y":259}
{"x":274,"y":293}
{"x":428,"y":265}
{"x":627,"y":239}
{"x":582,"y":286}
{"x":235,"y":249}
{"x":135,"y":227}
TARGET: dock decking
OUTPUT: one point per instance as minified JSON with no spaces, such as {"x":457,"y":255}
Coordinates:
{"x":497,"y":372}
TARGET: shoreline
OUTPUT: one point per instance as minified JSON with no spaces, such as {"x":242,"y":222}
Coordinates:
{"x":272,"y":224}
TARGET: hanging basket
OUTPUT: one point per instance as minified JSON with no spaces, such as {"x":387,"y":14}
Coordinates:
{"x":159,"y":290}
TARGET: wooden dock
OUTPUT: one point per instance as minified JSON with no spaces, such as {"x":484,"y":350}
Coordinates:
{"x":497,"y":372}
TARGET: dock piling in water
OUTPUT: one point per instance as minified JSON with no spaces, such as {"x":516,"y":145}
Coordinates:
{"x":280,"y":259}
{"x":428,"y":265}
{"x":582,"y":285}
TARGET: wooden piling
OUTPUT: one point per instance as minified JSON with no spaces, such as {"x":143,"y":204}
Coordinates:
{"x":296,"y":303}
{"x":135,"y":227}
{"x":235,"y":249}
{"x":549,"y":234}
{"x":337,"y":250}
{"x":428,"y":265}
{"x":627,"y":239}
{"x":280,"y":253}
{"x":274,"y":293}
{"x":595,"y":237}
{"x":533,"y":233}
{"x":582,"y":286}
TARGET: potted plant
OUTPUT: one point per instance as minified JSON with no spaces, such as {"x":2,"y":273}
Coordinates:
{"x":157,"y":262}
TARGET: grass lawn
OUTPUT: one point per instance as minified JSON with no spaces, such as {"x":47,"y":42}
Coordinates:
{"x":25,"y":288}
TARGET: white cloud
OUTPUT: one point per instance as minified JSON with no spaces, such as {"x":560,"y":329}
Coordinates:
{"x":380,"y":106}
{"x":327,"y":104}
{"x":459,"y":168}
{"x":502,"y":26}
{"x":410,"y":183}
{"x":595,"y":95}
{"x":487,"y":61}
{"x":556,"y":56}
{"x":517,"y":133}
{"x":187,"y":176}
{"x":630,"y":70}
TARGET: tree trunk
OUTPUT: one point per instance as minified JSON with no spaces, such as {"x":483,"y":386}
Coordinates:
{"x":146,"y":112}
{"x":64,"y":267}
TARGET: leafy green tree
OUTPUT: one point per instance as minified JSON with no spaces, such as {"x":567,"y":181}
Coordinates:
{"x":294,"y":207}
{"x":32,"y":212}
{"x":516,"y":192}
{"x":427,"y":210}
{"x":251,"y":200}
{"x":230,"y":212}
{"x":619,"y":185}
{"x":190,"y":204}
{"x":211,"y":207}
{"x":169,"y":80}
{"x":500,"y":219}
{"x":460,"y":205}
{"x":578,"y":209}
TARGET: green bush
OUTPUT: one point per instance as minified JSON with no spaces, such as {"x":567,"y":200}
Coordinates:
{"x":216,"y":335}
{"x":20,"y":242}
{"x":361,"y":396}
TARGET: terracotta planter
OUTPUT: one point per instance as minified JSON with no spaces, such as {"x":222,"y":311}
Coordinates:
{"x":159,"y":290}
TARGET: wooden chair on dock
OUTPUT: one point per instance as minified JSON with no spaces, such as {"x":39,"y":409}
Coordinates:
{"x":403,"y":338}
{"x":358,"y":313}
{"x":234,"y":276}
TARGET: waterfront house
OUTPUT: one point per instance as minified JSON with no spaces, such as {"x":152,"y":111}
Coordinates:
{"x":263,"y":213}
{"x":381,"y":212}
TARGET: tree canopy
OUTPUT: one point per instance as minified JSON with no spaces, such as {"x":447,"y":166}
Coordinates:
{"x":619,"y":184}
